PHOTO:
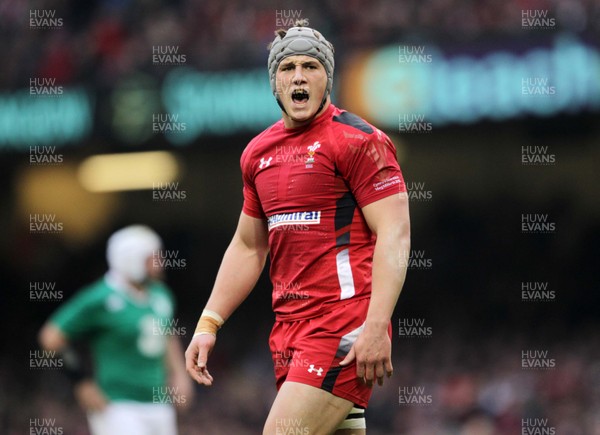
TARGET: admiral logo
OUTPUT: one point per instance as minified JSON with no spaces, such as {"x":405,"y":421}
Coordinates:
{"x":297,"y":218}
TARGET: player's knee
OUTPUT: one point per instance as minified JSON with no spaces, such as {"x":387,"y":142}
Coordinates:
{"x":354,"y":423}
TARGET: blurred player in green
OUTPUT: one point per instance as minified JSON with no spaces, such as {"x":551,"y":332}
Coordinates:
{"x":125,"y":318}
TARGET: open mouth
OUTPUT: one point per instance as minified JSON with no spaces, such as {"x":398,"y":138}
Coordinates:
{"x":300,"y":96}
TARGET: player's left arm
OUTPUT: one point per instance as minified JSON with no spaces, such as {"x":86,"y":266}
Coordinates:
{"x":388,"y":218}
{"x":178,"y":377}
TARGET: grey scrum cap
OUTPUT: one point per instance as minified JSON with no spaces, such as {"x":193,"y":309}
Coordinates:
{"x":300,"y":40}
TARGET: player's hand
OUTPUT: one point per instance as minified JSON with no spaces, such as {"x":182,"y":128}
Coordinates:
{"x":89,"y":396}
{"x":372,"y":351}
{"x":196,"y":357}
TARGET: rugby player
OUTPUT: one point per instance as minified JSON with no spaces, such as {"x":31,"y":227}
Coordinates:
{"x":325,"y":198}
{"x":120,"y":316}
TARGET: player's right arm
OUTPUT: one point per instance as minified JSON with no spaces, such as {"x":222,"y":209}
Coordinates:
{"x":240,"y":268}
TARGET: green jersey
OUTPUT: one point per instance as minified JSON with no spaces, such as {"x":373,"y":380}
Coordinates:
{"x":124,"y":334}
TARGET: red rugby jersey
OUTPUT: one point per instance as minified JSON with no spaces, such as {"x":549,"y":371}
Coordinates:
{"x":310,"y":184}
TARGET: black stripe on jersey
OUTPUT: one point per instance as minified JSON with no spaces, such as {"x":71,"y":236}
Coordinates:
{"x":330,"y":378}
{"x":357,"y":415}
{"x":344,"y":212}
{"x":353,"y":121}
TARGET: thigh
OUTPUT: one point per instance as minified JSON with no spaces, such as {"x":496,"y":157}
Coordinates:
{"x":160,"y":419}
{"x":116,"y":419}
{"x":304,"y":409}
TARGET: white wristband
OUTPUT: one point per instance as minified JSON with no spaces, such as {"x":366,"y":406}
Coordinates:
{"x":203,"y":333}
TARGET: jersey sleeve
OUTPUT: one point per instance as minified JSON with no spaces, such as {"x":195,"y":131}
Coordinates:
{"x":77,"y":317}
{"x":370,"y":167}
{"x":251,"y":205}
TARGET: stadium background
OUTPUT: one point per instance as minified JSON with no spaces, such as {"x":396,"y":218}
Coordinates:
{"x":487,"y":282}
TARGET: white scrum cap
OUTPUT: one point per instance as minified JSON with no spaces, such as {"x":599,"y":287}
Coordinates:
{"x":301,"y":40}
{"x":128,"y":249}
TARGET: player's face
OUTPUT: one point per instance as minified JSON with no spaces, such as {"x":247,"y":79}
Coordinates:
{"x":154,"y":269}
{"x":301,"y":82}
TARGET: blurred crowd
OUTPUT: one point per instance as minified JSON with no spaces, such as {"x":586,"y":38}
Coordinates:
{"x":102,"y":40}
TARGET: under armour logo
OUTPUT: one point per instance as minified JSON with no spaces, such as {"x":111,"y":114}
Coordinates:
{"x":265,"y":163}
{"x":313,"y":369}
